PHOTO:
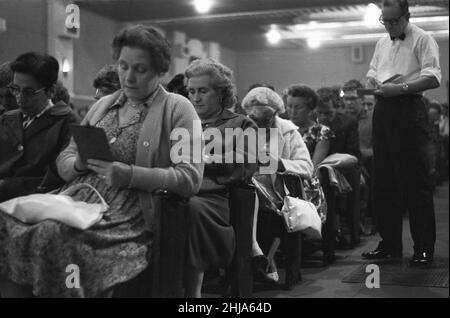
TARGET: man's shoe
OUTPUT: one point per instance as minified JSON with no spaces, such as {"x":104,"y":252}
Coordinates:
{"x":380,"y":254}
{"x":421,"y":259}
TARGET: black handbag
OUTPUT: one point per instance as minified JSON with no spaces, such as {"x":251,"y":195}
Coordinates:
{"x":268,"y":196}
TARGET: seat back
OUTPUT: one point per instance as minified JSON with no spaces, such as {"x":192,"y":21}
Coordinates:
{"x":293,"y":241}
{"x":169,"y":249}
{"x":239,"y":273}
{"x":164,"y":277}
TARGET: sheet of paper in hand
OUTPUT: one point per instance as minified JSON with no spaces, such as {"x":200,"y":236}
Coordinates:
{"x":91,"y":142}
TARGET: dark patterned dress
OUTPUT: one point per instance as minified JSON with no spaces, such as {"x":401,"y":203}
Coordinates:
{"x":313,"y":190}
{"x":111,"y":252}
{"x":315,"y":133}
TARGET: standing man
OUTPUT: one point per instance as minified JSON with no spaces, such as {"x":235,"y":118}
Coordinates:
{"x":401,"y":133}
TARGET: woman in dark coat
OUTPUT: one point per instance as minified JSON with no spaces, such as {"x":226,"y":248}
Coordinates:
{"x":211,"y":237}
{"x":32,"y":136}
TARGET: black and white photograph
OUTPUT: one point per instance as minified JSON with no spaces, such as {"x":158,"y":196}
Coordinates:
{"x":237,"y":151}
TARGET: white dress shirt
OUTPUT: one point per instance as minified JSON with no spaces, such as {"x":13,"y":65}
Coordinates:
{"x":416,"y":56}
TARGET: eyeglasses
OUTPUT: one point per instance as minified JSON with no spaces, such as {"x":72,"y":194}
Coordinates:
{"x":396,"y":21}
{"x":25,"y":92}
{"x":351,"y":98}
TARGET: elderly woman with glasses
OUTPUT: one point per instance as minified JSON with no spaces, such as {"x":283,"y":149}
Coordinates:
{"x":32,"y":136}
{"x":137,"y":120}
{"x":292,"y":157}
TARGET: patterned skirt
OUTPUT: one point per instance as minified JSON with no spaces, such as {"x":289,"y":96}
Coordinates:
{"x":56,"y":260}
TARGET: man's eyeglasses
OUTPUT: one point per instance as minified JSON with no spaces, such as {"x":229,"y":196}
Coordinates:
{"x":25,"y":92}
{"x":351,"y":98}
{"x":396,"y":21}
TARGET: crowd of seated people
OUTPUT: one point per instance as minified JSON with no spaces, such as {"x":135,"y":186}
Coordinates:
{"x":33,"y":258}
{"x":323,"y":137}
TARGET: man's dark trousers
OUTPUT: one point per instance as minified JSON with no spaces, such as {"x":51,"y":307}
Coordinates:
{"x":401,"y":172}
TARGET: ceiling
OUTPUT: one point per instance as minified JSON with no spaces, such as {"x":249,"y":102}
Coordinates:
{"x":241,"y":25}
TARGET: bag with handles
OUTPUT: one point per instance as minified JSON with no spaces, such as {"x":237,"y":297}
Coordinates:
{"x":35,"y":208}
{"x":301,"y":215}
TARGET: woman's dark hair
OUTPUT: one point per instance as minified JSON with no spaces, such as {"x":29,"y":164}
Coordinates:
{"x":61,"y":94}
{"x":44,"y":68}
{"x":177,"y":85}
{"x":148,"y":39}
{"x":330,"y":93}
{"x":301,"y":90}
{"x":107,"y":77}
{"x":222,"y":79}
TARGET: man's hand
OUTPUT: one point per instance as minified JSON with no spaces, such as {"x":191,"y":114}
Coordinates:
{"x":116,"y":174}
{"x":389,"y":90}
{"x":372,"y":83}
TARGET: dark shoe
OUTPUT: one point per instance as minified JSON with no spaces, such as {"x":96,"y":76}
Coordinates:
{"x":380,"y":254}
{"x":260,"y":263}
{"x":421,"y":259}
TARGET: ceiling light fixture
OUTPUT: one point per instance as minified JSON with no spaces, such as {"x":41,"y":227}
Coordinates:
{"x":371,"y":15}
{"x":313,"y":42}
{"x":273,"y":35}
{"x":202,"y":6}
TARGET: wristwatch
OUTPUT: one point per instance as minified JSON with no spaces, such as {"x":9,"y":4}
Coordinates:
{"x":405,"y":87}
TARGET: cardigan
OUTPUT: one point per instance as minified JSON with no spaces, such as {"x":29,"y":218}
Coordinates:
{"x":153,"y":168}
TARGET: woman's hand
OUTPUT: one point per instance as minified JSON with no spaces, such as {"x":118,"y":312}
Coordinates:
{"x":116,"y":174}
{"x":79,"y":165}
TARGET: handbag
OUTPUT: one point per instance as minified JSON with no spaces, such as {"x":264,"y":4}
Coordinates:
{"x":301,"y":215}
{"x":265,"y":189}
{"x":35,"y":208}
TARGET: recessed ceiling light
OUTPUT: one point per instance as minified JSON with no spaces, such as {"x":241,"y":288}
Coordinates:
{"x":202,"y":6}
{"x":273,"y":36}
{"x":371,"y":15}
{"x":313,"y":43}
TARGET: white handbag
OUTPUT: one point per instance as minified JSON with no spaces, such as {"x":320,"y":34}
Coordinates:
{"x":301,"y":215}
{"x":35,"y":208}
